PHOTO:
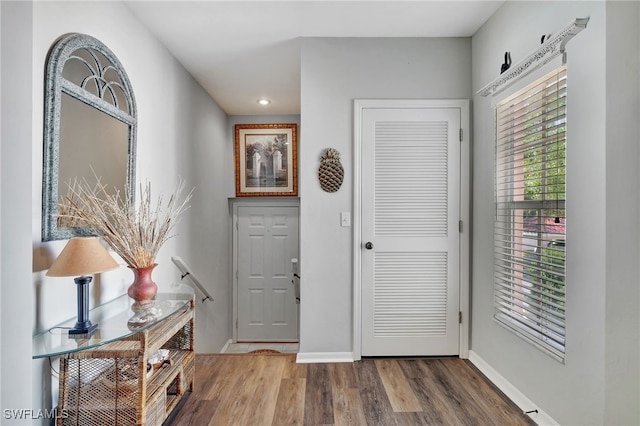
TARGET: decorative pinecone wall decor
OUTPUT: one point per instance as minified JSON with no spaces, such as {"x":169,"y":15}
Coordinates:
{"x":330,"y":173}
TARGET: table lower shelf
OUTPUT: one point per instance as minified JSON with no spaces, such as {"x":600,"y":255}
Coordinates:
{"x":168,"y":385}
{"x":109,"y":398}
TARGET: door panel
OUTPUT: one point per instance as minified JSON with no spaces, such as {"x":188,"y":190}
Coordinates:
{"x":267,"y":240}
{"x":410,"y":211}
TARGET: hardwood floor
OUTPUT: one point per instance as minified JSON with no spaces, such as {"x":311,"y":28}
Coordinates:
{"x":256,"y":390}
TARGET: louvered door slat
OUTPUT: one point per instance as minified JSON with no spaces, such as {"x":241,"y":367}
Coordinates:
{"x":410,"y":294}
{"x":408,"y":154}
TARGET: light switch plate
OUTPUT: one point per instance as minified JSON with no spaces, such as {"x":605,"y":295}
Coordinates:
{"x":345,"y":219}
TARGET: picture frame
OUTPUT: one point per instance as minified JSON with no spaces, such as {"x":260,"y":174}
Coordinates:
{"x":266,"y":160}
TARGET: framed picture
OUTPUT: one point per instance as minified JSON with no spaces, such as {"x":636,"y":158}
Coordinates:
{"x":266,"y":160}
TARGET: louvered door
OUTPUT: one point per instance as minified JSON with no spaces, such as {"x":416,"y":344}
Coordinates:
{"x":410,"y":211}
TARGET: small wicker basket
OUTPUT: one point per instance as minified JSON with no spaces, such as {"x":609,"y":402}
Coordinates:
{"x":123,"y":379}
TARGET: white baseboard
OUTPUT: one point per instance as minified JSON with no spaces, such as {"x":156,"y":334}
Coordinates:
{"x":540,"y":417}
{"x":226,"y":346}
{"x":322,"y":357}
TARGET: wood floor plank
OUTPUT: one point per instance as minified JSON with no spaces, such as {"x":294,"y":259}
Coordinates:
{"x":377,"y":408}
{"x":293,"y":370}
{"x":260,"y":390}
{"x":436,"y":394}
{"x":226,"y":374}
{"x":436,"y":409}
{"x":237,"y":398}
{"x":347,"y":407}
{"x":413,"y":419}
{"x":398,"y":389}
{"x":290,"y":405}
{"x":318,"y":407}
{"x":466,"y":408}
{"x":262,"y":394}
{"x":198,"y":413}
{"x":343,"y":375}
{"x":487,"y":397}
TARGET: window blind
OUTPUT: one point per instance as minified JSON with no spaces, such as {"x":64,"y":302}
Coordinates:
{"x":530,"y":236}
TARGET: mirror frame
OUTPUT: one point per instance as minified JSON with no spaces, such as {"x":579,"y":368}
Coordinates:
{"x":55,"y":85}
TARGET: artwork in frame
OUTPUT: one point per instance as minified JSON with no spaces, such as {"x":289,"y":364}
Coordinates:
{"x":266,"y":160}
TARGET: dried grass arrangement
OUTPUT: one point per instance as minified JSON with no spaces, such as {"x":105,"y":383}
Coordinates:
{"x":136,"y":232}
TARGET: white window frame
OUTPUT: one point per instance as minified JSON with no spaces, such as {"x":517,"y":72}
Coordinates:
{"x":530,"y":196}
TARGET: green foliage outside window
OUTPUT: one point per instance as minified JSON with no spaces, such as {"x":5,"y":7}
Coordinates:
{"x":546,"y":273}
{"x":544,"y":179}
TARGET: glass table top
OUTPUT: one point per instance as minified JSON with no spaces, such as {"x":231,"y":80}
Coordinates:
{"x":112,"y":318}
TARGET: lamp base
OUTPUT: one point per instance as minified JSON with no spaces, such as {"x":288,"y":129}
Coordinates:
{"x":83,"y":328}
{"x":83,"y":325}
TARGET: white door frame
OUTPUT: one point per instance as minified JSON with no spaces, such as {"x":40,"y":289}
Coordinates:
{"x":465,"y":196}
{"x":235,"y":203}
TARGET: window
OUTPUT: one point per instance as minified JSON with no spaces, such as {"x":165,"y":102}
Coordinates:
{"x":530,"y":237}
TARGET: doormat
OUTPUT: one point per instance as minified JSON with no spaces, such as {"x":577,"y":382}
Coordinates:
{"x":264,"y":351}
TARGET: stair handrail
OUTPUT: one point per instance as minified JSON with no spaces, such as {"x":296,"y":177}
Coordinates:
{"x":185,"y":272}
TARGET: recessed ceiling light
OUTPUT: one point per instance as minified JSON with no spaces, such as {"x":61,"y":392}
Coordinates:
{"x":264,"y":101}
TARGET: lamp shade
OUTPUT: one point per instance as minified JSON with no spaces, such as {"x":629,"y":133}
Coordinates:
{"x":82,"y":256}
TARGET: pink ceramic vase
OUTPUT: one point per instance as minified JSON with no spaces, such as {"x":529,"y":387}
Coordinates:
{"x":143,"y":289}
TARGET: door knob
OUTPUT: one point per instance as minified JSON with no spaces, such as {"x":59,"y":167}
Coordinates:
{"x":368,"y":245}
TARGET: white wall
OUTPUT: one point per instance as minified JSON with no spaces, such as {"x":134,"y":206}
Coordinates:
{"x":602,"y":207}
{"x":1,"y":180}
{"x":203,"y":155}
{"x":334,"y":72}
{"x":182,"y":133}
{"x":622,"y":353}
{"x":16,"y":295}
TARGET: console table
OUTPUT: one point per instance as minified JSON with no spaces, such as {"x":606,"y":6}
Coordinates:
{"x":104,"y":376}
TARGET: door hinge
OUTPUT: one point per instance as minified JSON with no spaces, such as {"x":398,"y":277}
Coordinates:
{"x":460,"y":134}
{"x":459,"y":226}
{"x":459,"y":317}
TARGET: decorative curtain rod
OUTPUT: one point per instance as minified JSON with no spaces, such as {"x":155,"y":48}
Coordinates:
{"x":549,"y":50}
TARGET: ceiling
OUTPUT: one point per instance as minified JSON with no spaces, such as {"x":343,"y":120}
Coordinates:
{"x":240,"y":51}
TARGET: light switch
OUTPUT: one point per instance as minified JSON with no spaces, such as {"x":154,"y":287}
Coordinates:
{"x":345,"y":219}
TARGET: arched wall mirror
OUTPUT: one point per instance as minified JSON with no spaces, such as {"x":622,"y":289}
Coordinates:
{"x":89,"y":129}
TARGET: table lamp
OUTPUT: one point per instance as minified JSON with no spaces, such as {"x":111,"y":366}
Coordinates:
{"x":81,"y":258}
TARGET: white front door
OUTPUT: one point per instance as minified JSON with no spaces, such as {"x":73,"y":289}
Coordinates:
{"x":410,"y":189}
{"x":267,"y":241}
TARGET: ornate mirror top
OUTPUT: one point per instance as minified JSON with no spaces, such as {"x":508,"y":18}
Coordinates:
{"x":90,"y":124}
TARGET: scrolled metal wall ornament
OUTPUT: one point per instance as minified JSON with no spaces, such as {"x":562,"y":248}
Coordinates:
{"x":552,"y":47}
{"x":330,"y":172}
{"x":507,"y":62}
